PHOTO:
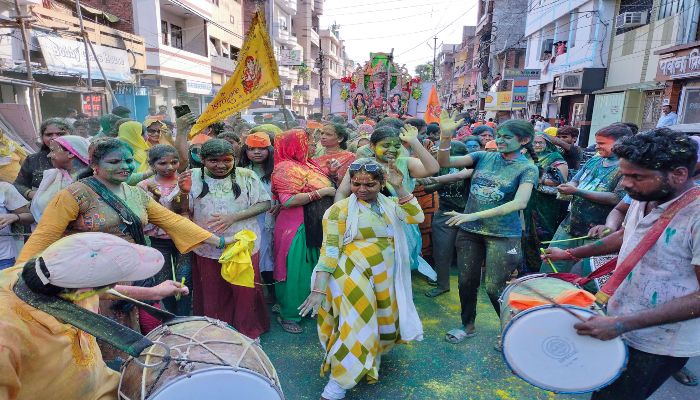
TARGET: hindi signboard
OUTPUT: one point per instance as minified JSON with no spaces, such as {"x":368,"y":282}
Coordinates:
{"x":68,"y":57}
{"x":683,"y":64}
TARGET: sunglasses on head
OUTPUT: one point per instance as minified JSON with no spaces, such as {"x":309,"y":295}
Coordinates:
{"x":369,"y":167}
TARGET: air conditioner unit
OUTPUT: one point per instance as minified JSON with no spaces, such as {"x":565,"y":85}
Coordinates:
{"x":571,"y":81}
{"x":631,"y":19}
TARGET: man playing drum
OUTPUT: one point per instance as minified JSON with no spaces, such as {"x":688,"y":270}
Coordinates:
{"x":42,"y":357}
{"x":656,"y":306}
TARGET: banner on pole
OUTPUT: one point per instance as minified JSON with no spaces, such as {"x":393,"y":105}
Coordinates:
{"x":255,"y":75}
{"x":432,"y":111}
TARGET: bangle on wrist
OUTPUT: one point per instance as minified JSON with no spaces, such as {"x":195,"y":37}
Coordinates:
{"x":441,"y":149}
{"x":222,"y":243}
{"x":406,"y":199}
{"x":571,"y":255}
{"x":318,"y":291}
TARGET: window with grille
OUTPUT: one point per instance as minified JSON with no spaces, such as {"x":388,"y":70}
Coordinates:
{"x":164,"y":32}
{"x":176,"y":36}
{"x":668,"y":8}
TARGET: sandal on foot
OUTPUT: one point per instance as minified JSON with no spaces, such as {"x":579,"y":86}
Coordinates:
{"x":289,"y":326}
{"x":685,"y":377}
{"x":276,"y":308}
{"x":431,"y":282}
{"x":458,"y":335}
{"x":435,"y":292}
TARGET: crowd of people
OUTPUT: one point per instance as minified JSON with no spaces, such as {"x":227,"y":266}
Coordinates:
{"x":343,"y":211}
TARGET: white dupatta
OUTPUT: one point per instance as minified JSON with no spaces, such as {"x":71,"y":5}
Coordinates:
{"x":54,"y":181}
{"x":410,"y":326}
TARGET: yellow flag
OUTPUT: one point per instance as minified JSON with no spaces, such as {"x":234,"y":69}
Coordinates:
{"x":255,"y":75}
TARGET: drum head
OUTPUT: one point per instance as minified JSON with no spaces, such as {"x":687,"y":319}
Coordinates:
{"x":541,"y":346}
{"x":218,"y":383}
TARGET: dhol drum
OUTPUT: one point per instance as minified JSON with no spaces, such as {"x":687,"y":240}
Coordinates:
{"x":199,"y":358}
{"x":541,"y":346}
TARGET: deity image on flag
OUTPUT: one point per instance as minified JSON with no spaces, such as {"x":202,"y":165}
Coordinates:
{"x":252,"y":74}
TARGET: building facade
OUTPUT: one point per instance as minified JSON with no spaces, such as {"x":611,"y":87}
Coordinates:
{"x":652,"y":44}
{"x":193,"y":51}
{"x":569,"y":43}
{"x":58,"y":62}
{"x":445,"y":73}
{"x":306,"y":27}
{"x":499,"y":45}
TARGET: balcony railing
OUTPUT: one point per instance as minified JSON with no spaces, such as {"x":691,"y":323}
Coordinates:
{"x":221,"y":63}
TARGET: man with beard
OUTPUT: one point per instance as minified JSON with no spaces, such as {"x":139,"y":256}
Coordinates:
{"x":656,"y":307}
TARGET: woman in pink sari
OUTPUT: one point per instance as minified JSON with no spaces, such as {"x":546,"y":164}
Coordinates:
{"x":305,"y":193}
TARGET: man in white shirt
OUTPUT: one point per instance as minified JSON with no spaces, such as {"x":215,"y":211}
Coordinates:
{"x":656,"y":309}
{"x":668,"y":117}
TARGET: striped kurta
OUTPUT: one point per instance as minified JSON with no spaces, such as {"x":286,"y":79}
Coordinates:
{"x":359,"y":319}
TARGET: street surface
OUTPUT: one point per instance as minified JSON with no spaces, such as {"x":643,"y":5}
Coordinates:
{"x":431,"y":369}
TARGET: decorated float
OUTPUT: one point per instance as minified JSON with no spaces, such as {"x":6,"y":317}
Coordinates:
{"x":380,"y":87}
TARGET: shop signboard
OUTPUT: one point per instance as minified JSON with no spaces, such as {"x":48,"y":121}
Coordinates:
{"x":522,"y":74}
{"x":92,"y":104}
{"x":68,"y":57}
{"x":498,"y":101}
{"x":682,"y":64}
{"x":197,"y":87}
{"x":288,"y":57}
{"x":520,"y":91}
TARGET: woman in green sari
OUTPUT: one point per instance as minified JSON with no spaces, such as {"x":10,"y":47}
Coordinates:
{"x":544,"y":212}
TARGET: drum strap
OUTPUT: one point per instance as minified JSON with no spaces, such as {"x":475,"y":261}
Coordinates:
{"x":101,"y":327}
{"x":647,"y":242}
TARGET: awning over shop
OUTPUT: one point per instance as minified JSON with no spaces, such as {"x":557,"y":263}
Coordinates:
{"x":94,"y":11}
{"x":644,"y":86}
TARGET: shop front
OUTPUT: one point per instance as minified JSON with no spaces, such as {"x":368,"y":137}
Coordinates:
{"x":573,"y":92}
{"x":679,"y":67}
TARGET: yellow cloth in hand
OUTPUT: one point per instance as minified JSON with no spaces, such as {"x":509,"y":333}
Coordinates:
{"x":236,"y":261}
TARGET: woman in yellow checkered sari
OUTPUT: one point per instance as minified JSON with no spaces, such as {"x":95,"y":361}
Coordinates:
{"x":362,"y":282}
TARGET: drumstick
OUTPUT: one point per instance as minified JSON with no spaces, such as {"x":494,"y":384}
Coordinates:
{"x":549,"y":260}
{"x":156,"y":312}
{"x":552,"y":301}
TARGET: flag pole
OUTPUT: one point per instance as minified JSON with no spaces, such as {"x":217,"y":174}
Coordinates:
{"x":284,"y":107}
{"x":261,"y":11}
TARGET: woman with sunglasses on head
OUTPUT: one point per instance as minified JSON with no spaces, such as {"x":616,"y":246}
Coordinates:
{"x":32,"y":171}
{"x":490,"y":229}
{"x":387,"y":144}
{"x":362,"y":282}
{"x":305,"y":193}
